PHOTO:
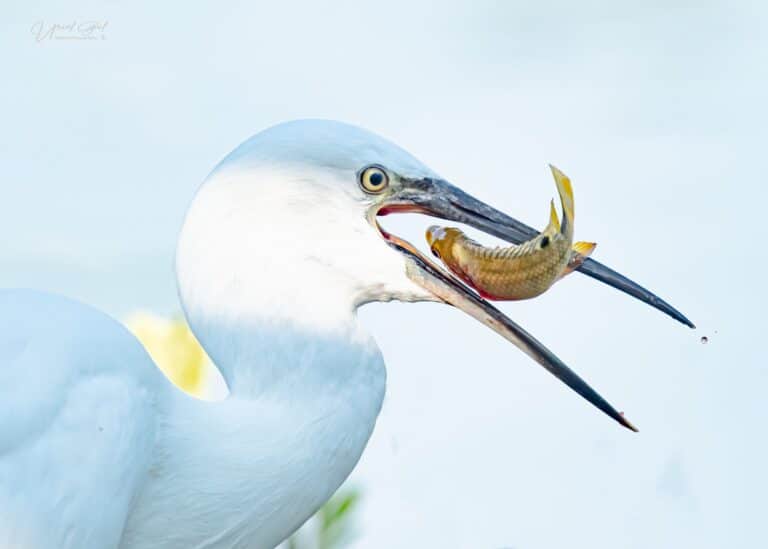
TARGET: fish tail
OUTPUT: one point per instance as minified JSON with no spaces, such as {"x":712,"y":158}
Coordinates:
{"x":554,"y":222}
{"x":565,"y":191}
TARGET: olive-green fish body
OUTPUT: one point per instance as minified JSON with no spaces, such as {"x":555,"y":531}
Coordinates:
{"x":520,"y":271}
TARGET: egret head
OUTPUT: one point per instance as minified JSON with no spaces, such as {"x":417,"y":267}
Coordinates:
{"x":286,"y":227}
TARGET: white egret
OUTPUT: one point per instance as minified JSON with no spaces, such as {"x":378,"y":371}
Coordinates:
{"x":279,"y":248}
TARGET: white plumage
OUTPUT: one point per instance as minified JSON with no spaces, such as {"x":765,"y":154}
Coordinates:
{"x":278,"y":250}
{"x":98,"y":449}
{"x":80,"y":398}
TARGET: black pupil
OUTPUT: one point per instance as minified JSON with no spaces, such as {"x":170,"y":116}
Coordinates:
{"x":545,"y":242}
{"x":376,"y":179}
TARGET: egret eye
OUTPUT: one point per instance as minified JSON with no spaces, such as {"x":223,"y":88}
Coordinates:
{"x":373,"y":179}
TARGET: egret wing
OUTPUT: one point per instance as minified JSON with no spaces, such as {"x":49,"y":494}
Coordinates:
{"x":77,"y":423}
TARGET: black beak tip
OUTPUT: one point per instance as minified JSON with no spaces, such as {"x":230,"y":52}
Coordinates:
{"x":626,"y":423}
{"x":608,"y":276}
{"x":665,"y":307}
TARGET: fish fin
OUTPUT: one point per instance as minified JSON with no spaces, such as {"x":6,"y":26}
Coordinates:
{"x":581,"y":251}
{"x":565,"y":190}
{"x":554,"y":222}
{"x":584,"y":248}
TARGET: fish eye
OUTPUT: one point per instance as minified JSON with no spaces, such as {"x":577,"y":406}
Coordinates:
{"x":436,"y":253}
{"x":373,"y":179}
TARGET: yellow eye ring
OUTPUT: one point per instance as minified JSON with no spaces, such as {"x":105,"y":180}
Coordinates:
{"x":374,"y":179}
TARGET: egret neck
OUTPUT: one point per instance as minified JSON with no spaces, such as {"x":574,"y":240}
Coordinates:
{"x":306,"y":381}
{"x":302,"y":407}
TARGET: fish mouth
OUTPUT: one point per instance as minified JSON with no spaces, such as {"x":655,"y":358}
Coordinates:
{"x":438,"y":198}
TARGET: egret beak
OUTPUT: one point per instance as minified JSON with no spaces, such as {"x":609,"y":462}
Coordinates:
{"x":440,"y":199}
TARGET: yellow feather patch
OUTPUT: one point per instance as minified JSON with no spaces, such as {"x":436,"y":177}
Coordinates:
{"x":175,"y":350}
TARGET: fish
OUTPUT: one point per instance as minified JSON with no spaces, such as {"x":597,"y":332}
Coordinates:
{"x":516,"y":272}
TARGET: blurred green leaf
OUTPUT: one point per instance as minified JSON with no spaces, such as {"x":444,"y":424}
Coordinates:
{"x":333,"y":524}
{"x":336,"y":519}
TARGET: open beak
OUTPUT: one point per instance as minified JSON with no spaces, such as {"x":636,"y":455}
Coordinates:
{"x":439,"y":198}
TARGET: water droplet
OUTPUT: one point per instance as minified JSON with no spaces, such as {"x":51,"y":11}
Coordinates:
{"x":704,"y":340}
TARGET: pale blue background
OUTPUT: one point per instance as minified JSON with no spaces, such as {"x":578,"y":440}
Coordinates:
{"x":657,"y":112}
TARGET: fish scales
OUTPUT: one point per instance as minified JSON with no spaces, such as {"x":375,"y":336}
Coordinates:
{"x":520,"y":271}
